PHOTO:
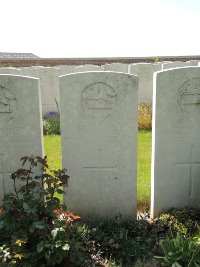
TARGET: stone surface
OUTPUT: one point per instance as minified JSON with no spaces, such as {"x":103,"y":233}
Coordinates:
{"x":178,"y":64}
{"x":99,"y":142}
{"x":65,"y":69}
{"x":49,"y":86}
{"x":10,"y":70}
{"x":194,"y":62}
{"x":20,"y":125}
{"x":176,"y":139}
{"x":118,"y":67}
{"x":87,"y":67}
{"x":145,"y":73}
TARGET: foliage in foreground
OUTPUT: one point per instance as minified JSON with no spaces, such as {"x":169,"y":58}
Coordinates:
{"x":124,"y":240}
{"x":180,"y":243}
{"x":179,"y":252}
{"x":186,"y":221}
{"x":34,"y":232}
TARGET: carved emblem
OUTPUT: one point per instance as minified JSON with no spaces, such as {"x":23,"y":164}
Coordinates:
{"x":189,"y":96}
{"x":99,"y":100}
{"x":7,"y":105}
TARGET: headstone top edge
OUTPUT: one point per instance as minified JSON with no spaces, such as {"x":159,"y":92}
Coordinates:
{"x":104,"y":73}
{"x":16,"y":75}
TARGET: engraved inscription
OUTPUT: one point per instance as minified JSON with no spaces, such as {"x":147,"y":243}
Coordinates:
{"x":7,"y":105}
{"x":99,"y":100}
{"x":189,"y":96}
{"x":193,"y":163}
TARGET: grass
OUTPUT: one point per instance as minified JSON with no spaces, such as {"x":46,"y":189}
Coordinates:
{"x":53,"y":151}
{"x":52,"y":147}
{"x":144,"y":169}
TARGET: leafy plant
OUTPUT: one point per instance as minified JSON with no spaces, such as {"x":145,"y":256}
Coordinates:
{"x":179,"y":252}
{"x":34,"y":229}
{"x":51,"y":123}
{"x":185,"y":220}
{"x":122,"y":240}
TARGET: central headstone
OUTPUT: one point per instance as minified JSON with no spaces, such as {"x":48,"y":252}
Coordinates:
{"x":20,"y":125}
{"x":99,"y":142}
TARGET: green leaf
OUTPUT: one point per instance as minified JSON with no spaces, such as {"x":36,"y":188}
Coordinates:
{"x":40,"y":246}
{"x":39,"y":225}
{"x":66,"y":247}
{"x":54,"y":232}
{"x":59,"y":191}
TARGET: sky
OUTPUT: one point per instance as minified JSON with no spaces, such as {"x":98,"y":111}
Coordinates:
{"x":100,"y":28}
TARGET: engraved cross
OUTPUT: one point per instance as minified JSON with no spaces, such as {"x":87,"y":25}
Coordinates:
{"x":191,"y":164}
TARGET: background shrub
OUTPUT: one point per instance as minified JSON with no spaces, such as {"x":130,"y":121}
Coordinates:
{"x":144,"y":117}
{"x":51,"y":123}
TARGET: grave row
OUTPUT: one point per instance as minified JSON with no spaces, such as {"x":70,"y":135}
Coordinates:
{"x":99,"y":138}
{"x":49,"y":78}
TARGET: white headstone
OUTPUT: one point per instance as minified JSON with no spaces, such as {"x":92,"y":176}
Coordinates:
{"x":10,"y":70}
{"x":178,"y":64}
{"x":99,"y":142}
{"x":176,"y":139}
{"x":65,"y":69}
{"x":145,"y":73}
{"x":49,"y":85}
{"x":87,"y":67}
{"x":194,"y":62}
{"x":118,"y":67}
{"x":20,"y":125}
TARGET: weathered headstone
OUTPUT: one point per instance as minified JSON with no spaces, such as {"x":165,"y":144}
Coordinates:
{"x":10,"y":70}
{"x":178,"y":64}
{"x":65,"y":69}
{"x":176,"y":139}
{"x":87,"y":67}
{"x":20,"y":125}
{"x":49,"y":86}
{"x":145,"y":73}
{"x":99,"y":142}
{"x":118,"y":67}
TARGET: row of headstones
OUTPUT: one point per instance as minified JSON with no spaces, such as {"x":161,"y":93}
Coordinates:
{"x":99,"y":138}
{"x":49,"y":78}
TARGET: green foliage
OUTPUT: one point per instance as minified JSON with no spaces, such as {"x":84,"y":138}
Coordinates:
{"x":51,"y":123}
{"x":155,"y":59}
{"x":144,"y":117}
{"x":4,"y":65}
{"x":123,"y":240}
{"x":34,"y":232}
{"x":179,"y":252}
{"x":186,"y":221}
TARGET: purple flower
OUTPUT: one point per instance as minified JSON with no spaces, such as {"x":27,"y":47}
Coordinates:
{"x":51,"y":114}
